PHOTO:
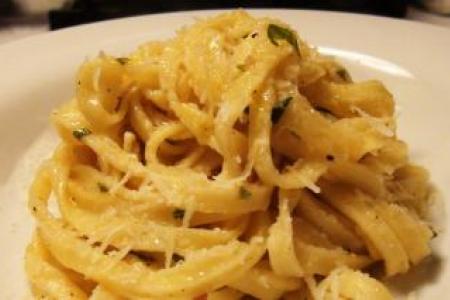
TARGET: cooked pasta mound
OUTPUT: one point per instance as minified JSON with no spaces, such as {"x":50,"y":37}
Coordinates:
{"x":232,"y":160}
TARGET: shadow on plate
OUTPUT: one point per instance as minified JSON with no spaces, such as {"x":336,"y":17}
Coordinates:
{"x":426,"y":273}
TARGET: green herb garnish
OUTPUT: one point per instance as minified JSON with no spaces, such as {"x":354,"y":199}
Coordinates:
{"x":122,"y":60}
{"x":177,"y":259}
{"x":103,"y":188}
{"x":343,"y":74}
{"x":178,"y":213}
{"x":241,"y":67}
{"x":253,"y":35}
{"x":276,"y":33}
{"x":244,"y":193}
{"x":433,"y":232}
{"x":279,"y":108}
{"x":81,"y":132}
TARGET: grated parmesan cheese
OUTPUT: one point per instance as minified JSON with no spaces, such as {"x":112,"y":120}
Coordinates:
{"x":96,"y":79}
{"x":115,"y":187}
{"x":377,"y":123}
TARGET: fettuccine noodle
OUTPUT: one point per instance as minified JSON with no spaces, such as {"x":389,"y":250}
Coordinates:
{"x":232,"y":160}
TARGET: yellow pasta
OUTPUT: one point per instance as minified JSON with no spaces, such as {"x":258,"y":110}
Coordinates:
{"x":344,"y":283}
{"x":261,"y":282}
{"x":232,"y":160}
{"x":340,"y":99}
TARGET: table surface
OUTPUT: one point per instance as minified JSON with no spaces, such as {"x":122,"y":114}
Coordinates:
{"x":13,"y":30}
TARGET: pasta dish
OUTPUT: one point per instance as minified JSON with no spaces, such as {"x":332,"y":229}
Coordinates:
{"x":230,"y":161}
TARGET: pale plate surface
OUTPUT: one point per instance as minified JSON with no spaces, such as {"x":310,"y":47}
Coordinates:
{"x":412,"y":59}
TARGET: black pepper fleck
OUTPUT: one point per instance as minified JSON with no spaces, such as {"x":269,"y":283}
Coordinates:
{"x":81,"y":132}
{"x":178,"y":213}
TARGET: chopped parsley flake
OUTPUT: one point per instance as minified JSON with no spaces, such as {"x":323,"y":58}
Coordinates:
{"x":343,"y":74}
{"x":276,"y":33}
{"x":122,"y":60}
{"x":178,"y":213}
{"x":279,"y":108}
{"x":244,"y":193}
{"x":253,"y":35}
{"x":433,"y":232}
{"x":81,"y":132}
{"x":102,"y":187}
{"x":177,"y":259}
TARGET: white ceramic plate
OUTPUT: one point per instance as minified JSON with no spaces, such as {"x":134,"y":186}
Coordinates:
{"x":37,"y":74}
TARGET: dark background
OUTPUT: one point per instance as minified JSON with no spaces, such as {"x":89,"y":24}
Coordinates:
{"x":85,"y":11}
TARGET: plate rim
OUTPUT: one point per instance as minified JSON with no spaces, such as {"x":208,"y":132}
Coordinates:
{"x":205,"y":12}
{"x":53,"y":36}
